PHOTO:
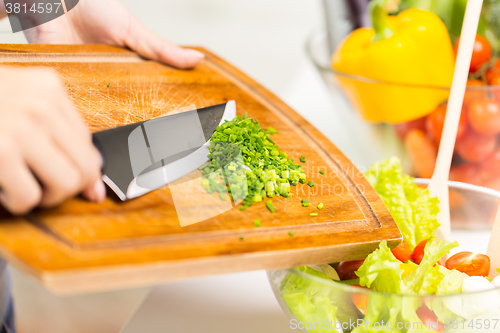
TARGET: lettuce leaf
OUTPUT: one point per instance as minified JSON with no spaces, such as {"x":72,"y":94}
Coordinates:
{"x":312,"y":301}
{"x":451,"y":282}
{"x":381,"y":271}
{"x":412,"y":207}
{"x":381,"y":309}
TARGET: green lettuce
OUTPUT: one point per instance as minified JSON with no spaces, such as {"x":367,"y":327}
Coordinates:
{"x":311,"y":301}
{"x":427,"y":276}
{"x":412,"y":207}
{"x":381,"y":271}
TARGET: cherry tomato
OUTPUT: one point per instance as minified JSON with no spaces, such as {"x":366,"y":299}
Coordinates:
{"x":490,"y":170}
{"x":430,"y":319}
{"x":423,"y":152}
{"x":490,"y":73}
{"x":493,"y":183}
{"x":475,"y":147}
{"x":468,"y":173}
{"x":404,"y":128}
{"x":360,"y":300}
{"x":346,"y":269}
{"x":418,"y":252}
{"x":484,"y":116}
{"x":470,"y":263}
{"x":480,"y":55}
{"x":473,"y":93}
{"x":435,"y":121}
{"x":402,"y":252}
{"x":495,"y":81}
{"x":492,"y":163}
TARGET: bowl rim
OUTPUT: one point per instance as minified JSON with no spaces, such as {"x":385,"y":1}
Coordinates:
{"x":353,"y":289}
{"x":318,"y":33}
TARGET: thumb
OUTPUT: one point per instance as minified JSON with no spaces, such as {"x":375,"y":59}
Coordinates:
{"x":151,"y":46}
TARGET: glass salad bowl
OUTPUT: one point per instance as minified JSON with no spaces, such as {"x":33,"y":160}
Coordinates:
{"x":317,"y":305}
{"x":360,"y":102}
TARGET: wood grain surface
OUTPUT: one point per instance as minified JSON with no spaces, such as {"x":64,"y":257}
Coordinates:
{"x":84,"y":247}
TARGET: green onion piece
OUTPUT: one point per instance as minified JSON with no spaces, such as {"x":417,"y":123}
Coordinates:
{"x":109,"y":84}
{"x":305,"y":203}
{"x":302,"y":158}
{"x":269,"y":205}
{"x":256,"y":223}
{"x":291,"y":234}
{"x":321,"y":172}
{"x":242,"y":239}
{"x":320,"y":205}
{"x":310,"y":183}
{"x":313,"y":214}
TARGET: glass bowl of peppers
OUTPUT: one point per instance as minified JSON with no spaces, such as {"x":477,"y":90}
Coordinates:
{"x":396,"y":77}
{"x":403,"y":290}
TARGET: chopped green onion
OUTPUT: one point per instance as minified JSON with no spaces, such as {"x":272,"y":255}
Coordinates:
{"x":302,"y":158}
{"x":109,"y":84}
{"x":271,"y":130}
{"x":320,"y":205}
{"x":313,"y":214}
{"x":269,"y":205}
{"x":305,"y":203}
{"x":310,"y":183}
{"x":267,"y":170}
{"x":139,"y":117}
{"x":242,"y":239}
{"x":256,"y":223}
{"x":321,"y":172}
{"x":291,"y":233}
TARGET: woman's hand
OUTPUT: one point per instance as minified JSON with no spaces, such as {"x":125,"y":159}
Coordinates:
{"x":46,"y":150}
{"x":107,"y":21}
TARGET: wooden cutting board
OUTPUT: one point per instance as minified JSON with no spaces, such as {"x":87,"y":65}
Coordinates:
{"x":85,"y":247}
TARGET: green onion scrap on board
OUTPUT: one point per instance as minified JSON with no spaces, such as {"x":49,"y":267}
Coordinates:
{"x":243,"y":149}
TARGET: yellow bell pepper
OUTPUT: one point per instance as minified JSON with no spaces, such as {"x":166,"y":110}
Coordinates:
{"x":395,"y":70}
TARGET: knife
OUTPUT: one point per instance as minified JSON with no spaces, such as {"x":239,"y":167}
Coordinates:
{"x":147,"y":155}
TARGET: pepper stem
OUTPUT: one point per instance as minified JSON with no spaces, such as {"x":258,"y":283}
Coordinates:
{"x":379,"y":19}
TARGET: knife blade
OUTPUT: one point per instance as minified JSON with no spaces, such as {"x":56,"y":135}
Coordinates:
{"x":144,"y":156}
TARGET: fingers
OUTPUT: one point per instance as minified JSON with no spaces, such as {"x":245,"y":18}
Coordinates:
{"x":95,"y":192}
{"x":50,"y":156}
{"x":59,"y":177}
{"x":19,"y":190}
{"x":73,"y":139}
{"x":151,"y":46}
{"x":78,"y":147}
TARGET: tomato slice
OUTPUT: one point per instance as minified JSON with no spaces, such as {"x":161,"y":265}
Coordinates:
{"x":402,"y":252}
{"x":418,"y":252}
{"x":470,"y":263}
{"x":430,"y":319}
{"x":360,"y":300}
{"x":346,"y":269}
